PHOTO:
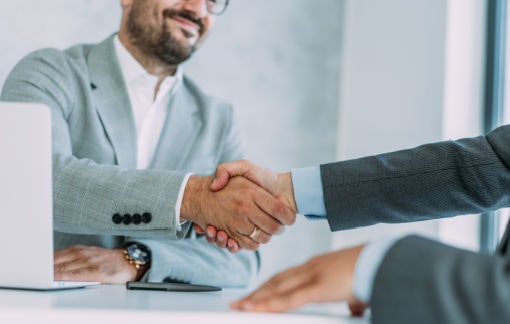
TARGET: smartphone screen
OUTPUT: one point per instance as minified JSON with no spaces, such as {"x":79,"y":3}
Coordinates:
{"x":165,"y":286}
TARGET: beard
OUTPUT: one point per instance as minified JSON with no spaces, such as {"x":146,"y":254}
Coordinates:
{"x":159,"y":42}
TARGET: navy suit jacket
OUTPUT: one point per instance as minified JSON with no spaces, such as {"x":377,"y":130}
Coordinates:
{"x":419,"y":280}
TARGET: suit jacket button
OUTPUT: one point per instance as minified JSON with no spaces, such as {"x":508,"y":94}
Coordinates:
{"x":146,"y":217}
{"x":127,"y":219}
{"x":137,"y":219}
{"x":117,"y":218}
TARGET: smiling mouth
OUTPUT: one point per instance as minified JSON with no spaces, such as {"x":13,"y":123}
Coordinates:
{"x":189,"y":28}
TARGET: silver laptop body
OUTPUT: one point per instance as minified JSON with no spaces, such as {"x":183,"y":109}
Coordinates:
{"x":26,"y":230}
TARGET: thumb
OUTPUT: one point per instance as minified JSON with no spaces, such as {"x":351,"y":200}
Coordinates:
{"x":220,"y":180}
{"x":226,"y":171}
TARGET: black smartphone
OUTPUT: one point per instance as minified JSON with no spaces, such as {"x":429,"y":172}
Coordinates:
{"x":166,"y":286}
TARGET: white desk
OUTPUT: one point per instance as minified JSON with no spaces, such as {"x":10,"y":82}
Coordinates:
{"x":114,"y":304}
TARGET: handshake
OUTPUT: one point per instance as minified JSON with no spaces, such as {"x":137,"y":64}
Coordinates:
{"x":240,"y":207}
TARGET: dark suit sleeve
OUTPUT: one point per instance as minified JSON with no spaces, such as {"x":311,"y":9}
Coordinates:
{"x":431,"y":181}
{"x":422,"y":281}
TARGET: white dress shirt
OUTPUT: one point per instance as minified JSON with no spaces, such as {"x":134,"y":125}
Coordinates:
{"x":150,"y":109}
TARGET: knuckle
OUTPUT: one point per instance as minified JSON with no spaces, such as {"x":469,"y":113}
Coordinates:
{"x":240,"y":207}
{"x":274,"y":228}
{"x":249,"y":244}
{"x":265,"y":239}
{"x":283,"y":213}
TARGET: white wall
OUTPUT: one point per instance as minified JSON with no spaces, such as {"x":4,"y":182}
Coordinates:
{"x":412,"y":74}
{"x":28,"y":25}
{"x":463,"y":100}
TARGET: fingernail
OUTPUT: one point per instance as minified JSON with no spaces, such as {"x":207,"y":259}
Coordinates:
{"x":229,"y":244}
{"x":209,"y":234}
{"x":220,"y":239}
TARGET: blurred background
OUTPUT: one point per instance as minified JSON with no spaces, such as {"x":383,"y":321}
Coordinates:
{"x":315,"y":81}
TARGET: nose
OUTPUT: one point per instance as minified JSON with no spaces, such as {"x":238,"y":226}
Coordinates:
{"x":199,"y":7}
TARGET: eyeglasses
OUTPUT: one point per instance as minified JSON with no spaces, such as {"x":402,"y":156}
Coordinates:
{"x":217,"y":7}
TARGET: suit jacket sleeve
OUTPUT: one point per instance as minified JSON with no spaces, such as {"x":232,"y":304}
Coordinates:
{"x":435,"y":180}
{"x":88,"y":194}
{"x":422,"y":281}
{"x":200,"y":262}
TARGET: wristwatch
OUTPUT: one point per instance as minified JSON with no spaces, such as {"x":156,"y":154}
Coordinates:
{"x":139,"y":255}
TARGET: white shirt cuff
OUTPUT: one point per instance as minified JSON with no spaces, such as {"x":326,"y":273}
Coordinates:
{"x":368,"y":264}
{"x":178,"y":203}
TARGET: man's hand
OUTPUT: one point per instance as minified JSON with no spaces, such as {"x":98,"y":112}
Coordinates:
{"x":325,"y":278}
{"x":90,"y":263}
{"x":279,"y":185}
{"x":245,"y":212}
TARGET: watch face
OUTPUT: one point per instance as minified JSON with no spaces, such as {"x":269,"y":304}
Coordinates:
{"x":139,"y":253}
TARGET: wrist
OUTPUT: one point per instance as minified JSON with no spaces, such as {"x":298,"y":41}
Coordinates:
{"x":287,"y":190}
{"x":192,"y":197}
{"x":187,"y":204}
{"x":139,"y":257}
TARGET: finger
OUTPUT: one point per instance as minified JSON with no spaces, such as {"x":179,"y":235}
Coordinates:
{"x":228,"y":170}
{"x":260,"y":236}
{"x":66,"y":255}
{"x":59,"y":267}
{"x":79,"y":274}
{"x":281,"y":282}
{"x":70,"y":266}
{"x":211,"y":234}
{"x":73,"y":257}
{"x":275,"y":209}
{"x":198,"y":229}
{"x":220,"y":179}
{"x":281,"y":213}
{"x":232,"y":245}
{"x":279,"y":294}
{"x":221,"y":239}
{"x":357,"y":309}
{"x":279,"y":302}
{"x":263,"y":177}
{"x":245,"y":242}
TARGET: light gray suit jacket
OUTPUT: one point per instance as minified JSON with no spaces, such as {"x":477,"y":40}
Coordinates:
{"x":94,"y":155}
{"x":421,"y":281}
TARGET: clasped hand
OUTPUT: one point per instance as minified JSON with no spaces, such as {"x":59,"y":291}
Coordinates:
{"x":325,"y":278}
{"x":242,"y":206}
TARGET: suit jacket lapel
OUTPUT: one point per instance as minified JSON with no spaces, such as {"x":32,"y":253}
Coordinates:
{"x":182,"y":125}
{"x":112,"y":102}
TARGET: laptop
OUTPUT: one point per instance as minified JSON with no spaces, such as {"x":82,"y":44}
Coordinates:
{"x":26,"y":194}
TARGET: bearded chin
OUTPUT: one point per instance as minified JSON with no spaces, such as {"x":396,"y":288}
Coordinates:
{"x":161,"y":45}
{"x":170,"y":51}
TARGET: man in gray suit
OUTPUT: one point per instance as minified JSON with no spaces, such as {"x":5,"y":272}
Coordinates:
{"x":404,"y":280}
{"x":128,"y":129}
